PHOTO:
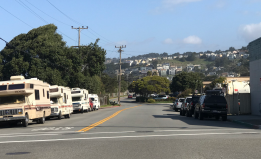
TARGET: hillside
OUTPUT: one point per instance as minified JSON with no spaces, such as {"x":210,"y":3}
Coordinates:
{"x":197,"y":61}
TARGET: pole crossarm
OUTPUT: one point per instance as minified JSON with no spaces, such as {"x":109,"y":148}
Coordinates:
{"x":79,"y":33}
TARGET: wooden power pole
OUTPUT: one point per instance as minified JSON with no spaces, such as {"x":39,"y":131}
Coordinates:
{"x":119,"y":92}
{"x":79,"y":34}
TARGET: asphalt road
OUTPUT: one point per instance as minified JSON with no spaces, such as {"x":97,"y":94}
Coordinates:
{"x":131,"y":131}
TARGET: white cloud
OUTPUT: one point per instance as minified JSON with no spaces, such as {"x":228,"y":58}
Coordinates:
{"x":250,"y":31}
{"x":192,"y":40}
{"x":168,"y":41}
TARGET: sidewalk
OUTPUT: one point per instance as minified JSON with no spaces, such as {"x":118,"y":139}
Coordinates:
{"x":251,"y":121}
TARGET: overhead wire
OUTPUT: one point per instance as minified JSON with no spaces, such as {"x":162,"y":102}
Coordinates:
{"x":38,"y":16}
{"x":16,"y":17}
{"x":105,"y":39}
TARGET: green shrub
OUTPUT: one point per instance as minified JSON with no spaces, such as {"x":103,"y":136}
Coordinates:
{"x":185,"y":93}
{"x":151,"y":100}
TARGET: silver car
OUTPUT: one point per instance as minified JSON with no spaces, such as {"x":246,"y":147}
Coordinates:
{"x":179,"y":103}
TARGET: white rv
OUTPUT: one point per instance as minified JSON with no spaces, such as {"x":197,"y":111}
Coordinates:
{"x":80,"y":100}
{"x":96,"y":101}
{"x":61,"y":101}
{"x":22,"y":100}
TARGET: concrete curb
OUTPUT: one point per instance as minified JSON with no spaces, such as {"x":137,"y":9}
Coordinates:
{"x":109,"y":107}
{"x":245,"y":124}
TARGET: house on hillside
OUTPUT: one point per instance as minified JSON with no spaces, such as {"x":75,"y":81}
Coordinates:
{"x":190,"y":67}
{"x":172,"y":71}
{"x":162,"y":72}
{"x":170,"y":57}
{"x":212,"y":73}
{"x":180,"y":56}
{"x":164,"y":58}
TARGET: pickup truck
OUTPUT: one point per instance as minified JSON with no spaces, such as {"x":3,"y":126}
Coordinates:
{"x":211,"y":105}
{"x":191,"y":105}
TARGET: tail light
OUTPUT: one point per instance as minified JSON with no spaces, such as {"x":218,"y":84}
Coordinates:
{"x":226,"y":106}
{"x":203,"y":105}
{"x":186,"y":105}
{"x":191,"y":103}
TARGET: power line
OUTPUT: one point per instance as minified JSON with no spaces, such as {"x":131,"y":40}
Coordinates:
{"x":38,"y":16}
{"x":16,"y":17}
{"x":76,"y":21}
{"x":47,"y":14}
{"x":63,"y":13}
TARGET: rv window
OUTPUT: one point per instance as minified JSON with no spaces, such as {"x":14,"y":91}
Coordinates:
{"x":47,"y":94}
{"x":37,"y":94}
{"x":64,"y":98}
{"x":92,"y":99}
{"x":16,"y":86}
{"x":74,"y":99}
{"x":43,"y":93}
{"x":54,"y":90}
{"x":54,"y":100}
{"x":32,"y":86}
{"x":74,"y":92}
{"x":12,"y":99}
{"x":3,"y":87}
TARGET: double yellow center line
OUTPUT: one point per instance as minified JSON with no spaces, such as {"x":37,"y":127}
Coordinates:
{"x":102,"y":121}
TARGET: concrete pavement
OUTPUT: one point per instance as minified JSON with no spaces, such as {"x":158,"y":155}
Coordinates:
{"x":133,"y":130}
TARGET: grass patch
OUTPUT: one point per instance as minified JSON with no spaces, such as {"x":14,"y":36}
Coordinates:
{"x":197,"y":61}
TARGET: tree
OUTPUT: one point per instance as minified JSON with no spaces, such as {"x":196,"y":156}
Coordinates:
{"x":149,"y":73}
{"x":154,"y":73}
{"x":217,"y":80}
{"x":185,"y":80}
{"x":150,"y":84}
{"x":231,"y":48}
{"x":191,"y":57}
{"x":182,"y":59}
{"x":154,"y":63}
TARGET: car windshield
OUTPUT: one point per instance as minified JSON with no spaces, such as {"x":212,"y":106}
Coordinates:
{"x":76,"y":99}
{"x":161,"y":96}
{"x":188,"y":100}
{"x":54,"y":100}
{"x":181,"y":100}
{"x":15,"y":99}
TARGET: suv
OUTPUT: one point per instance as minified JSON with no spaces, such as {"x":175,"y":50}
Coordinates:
{"x":179,"y":103}
{"x":191,"y":105}
{"x":183,"y":109}
{"x":211,"y":105}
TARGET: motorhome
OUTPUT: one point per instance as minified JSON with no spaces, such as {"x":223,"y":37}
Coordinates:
{"x":80,"y":100}
{"x":23,"y":99}
{"x":61,"y":101}
{"x":96,"y":101}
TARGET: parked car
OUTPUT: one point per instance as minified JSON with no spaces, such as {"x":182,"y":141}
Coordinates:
{"x":179,"y":103}
{"x":191,"y":105}
{"x":184,"y":105}
{"x":129,"y":96}
{"x":211,"y":105}
{"x":161,"y":97}
{"x":174,"y":103}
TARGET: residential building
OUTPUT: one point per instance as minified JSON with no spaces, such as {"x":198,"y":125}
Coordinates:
{"x":245,"y":56}
{"x":172,"y":71}
{"x":212,"y":73}
{"x":170,"y":58}
{"x":162,"y":72}
{"x":164,"y":58}
{"x":232,"y":57}
{"x":165,"y":67}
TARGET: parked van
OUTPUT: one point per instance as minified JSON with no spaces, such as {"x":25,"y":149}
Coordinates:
{"x":22,"y":100}
{"x":96,"y":101}
{"x":61,"y":101}
{"x":80,"y":100}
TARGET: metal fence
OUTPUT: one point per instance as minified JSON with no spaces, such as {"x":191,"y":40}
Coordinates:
{"x":245,"y":103}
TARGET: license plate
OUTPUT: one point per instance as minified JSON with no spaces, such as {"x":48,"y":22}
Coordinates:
{"x":215,"y":111}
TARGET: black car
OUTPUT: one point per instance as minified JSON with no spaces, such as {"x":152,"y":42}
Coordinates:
{"x":191,"y":105}
{"x":211,"y":105}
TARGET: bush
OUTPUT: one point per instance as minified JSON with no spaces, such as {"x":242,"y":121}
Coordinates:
{"x":151,"y":100}
{"x":141,"y":99}
{"x":185,"y":93}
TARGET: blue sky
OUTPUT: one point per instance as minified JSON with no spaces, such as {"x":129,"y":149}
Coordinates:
{"x":144,"y":26}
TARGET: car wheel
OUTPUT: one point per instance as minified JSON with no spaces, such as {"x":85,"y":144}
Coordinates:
{"x":42,"y":119}
{"x":224,"y":118}
{"x":195,"y":115}
{"x":60,"y":115}
{"x":200,"y":115}
{"x":82,"y":110}
{"x":187,"y":113}
{"x":25,"y":121}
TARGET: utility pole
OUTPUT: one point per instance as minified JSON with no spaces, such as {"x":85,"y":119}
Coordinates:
{"x":119,"y":92}
{"x":79,"y":34}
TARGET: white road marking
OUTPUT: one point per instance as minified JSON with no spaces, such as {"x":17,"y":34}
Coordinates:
{"x":110,"y":132}
{"x":53,"y":132}
{"x":27,"y":135}
{"x":117,"y":137}
{"x":53,"y":128}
